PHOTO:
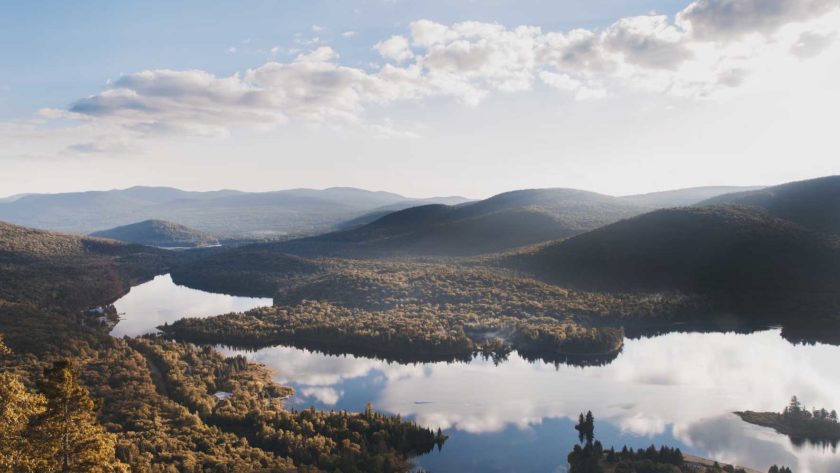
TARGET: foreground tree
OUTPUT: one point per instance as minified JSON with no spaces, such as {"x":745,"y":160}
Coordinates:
{"x":17,"y":407}
{"x":68,"y":437}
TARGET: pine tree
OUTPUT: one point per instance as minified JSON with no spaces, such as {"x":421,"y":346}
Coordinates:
{"x":17,"y":407}
{"x":67,"y":433}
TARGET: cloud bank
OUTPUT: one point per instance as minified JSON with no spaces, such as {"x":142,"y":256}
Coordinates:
{"x":707,"y":49}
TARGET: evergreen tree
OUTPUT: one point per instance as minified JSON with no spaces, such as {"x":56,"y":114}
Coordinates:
{"x":17,"y":407}
{"x":590,"y":426}
{"x":67,"y":433}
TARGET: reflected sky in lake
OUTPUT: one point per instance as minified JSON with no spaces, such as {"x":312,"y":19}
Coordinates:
{"x":160,"y":300}
{"x":677,"y":389}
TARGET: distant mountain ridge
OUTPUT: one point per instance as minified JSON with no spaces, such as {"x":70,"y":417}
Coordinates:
{"x":223,"y":213}
{"x":684,"y":197}
{"x":159,"y":233}
{"x":500,"y":222}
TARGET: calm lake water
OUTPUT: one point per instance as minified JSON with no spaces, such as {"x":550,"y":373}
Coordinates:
{"x":160,"y":300}
{"x":677,"y":389}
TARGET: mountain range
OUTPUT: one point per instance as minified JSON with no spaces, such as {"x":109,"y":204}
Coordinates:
{"x":231,"y":214}
{"x":501,"y":222}
{"x":223,"y":213}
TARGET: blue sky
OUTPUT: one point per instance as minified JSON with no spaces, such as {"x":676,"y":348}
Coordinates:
{"x":419,"y":97}
{"x":58,"y":51}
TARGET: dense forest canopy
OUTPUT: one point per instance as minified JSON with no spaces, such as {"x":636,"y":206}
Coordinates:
{"x":75,"y":399}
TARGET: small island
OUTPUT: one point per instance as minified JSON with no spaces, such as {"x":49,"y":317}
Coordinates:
{"x":590,"y":456}
{"x":798,"y":423}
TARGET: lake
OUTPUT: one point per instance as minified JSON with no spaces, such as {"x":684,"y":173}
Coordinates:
{"x":677,"y":389}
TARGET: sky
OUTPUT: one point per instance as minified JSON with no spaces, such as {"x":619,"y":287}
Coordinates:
{"x":417,"y":97}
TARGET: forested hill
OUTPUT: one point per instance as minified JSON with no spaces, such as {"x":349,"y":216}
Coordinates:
{"x":147,"y":404}
{"x":501,"y":222}
{"x":159,"y":233}
{"x":52,"y":269}
{"x":741,"y":255}
{"x":224,"y":213}
{"x":814,"y":203}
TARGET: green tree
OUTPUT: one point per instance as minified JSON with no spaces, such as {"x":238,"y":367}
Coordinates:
{"x":67,"y":433}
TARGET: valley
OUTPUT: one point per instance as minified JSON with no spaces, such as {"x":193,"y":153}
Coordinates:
{"x":309,"y":355}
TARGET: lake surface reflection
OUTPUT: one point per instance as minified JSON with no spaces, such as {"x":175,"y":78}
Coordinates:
{"x":160,"y":300}
{"x":677,"y":389}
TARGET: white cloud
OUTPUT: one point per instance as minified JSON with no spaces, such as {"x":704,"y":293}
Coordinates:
{"x":395,"y":48}
{"x":324,"y":395}
{"x":648,"y":41}
{"x":704,"y":52}
{"x":348,"y":34}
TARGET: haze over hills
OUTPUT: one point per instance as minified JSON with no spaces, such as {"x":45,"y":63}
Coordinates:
{"x":813,"y":203}
{"x":159,"y":233}
{"x":737,"y":254}
{"x":684,"y":197}
{"x":503,"y":221}
{"x":223,"y":213}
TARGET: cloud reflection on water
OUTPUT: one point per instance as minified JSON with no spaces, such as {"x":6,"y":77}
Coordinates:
{"x":683,"y":385}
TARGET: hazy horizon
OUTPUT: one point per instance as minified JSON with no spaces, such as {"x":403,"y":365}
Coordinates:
{"x":449,"y":194}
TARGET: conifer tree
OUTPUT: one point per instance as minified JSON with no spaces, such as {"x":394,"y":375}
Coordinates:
{"x":17,"y":407}
{"x":67,"y":433}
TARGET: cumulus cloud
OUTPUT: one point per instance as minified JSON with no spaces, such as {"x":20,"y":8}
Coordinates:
{"x":710,"y":47}
{"x":396,"y":48}
{"x":723,"y":19}
{"x":648,"y":41}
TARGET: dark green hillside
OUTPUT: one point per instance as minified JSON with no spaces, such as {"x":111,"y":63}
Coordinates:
{"x":501,"y":222}
{"x":68,"y":271}
{"x":744,"y":257}
{"x":814,"y":203}
{"x":159,"y":233}
{"x":250,"y":270}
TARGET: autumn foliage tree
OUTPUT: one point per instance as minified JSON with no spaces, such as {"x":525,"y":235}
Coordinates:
{"x":68,"y":437}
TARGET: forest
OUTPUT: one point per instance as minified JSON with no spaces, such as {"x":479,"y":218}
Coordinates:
{"x":799,"y":423}
{"x":428,"y":310}
{"x":75,"y":399}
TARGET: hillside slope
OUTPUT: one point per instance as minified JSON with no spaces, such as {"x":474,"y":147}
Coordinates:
{"x":814,"y":203}
{"x":158,"y":233}
{"x":69,"y":271}
{"x":744,"y":257}
{"x":503,"y":221}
